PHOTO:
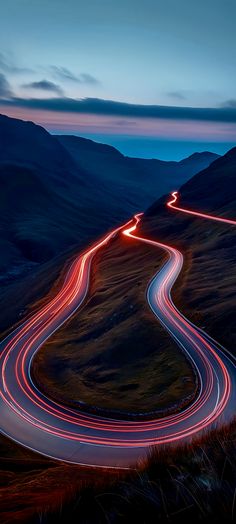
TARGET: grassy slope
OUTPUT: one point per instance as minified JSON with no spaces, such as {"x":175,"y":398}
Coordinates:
{"x":186,"y":483}
{"x":108,"y":344}
{"x":194,"y":482}
{"x":205,"y":291}
{"x":31,"y":484}
{"x":110,"y":349}
{"x":113,"y":354}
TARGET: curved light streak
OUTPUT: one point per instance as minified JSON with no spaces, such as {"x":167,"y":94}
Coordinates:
{"x":61,"y":432}
{"x":173,"y":204}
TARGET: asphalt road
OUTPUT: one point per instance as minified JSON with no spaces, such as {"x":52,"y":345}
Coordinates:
{"x":37,"y":422}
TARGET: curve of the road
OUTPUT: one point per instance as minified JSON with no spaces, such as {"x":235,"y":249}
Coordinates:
{"x":41,"y":424}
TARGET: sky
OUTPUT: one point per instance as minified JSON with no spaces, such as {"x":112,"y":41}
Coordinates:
{"x":156,"y":78}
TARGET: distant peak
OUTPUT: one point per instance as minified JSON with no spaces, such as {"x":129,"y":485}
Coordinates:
{"x":201,"y":154}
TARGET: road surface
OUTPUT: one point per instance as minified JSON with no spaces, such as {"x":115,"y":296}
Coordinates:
{"x":41,"y":424}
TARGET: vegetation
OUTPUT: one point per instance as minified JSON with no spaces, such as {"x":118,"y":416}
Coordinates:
{"x":188,"y":482}
{"x":112,"y":354}
{"x":193,"y":482}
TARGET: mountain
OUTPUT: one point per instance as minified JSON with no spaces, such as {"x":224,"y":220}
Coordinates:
{"x":214,"y":189}
{"x":28,"y":144}
{"x":141,"y":178}
{"x":48,"y":203}
{"x":53,"y":196}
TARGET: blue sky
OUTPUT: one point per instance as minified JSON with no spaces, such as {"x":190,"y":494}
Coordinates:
{"x":150,"y":52}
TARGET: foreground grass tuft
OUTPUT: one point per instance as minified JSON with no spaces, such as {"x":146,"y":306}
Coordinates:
{"x":194,"y":482}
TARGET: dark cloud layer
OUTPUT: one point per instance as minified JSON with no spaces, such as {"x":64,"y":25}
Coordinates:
{"x":45,"y":85}
{"x":112,"y":108}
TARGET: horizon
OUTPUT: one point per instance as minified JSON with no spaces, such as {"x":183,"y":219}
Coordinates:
{"x":157,"y":149}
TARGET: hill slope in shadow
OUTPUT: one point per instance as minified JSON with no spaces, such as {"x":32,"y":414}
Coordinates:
{"x":206,"y":289}
{"x":141,"y":179}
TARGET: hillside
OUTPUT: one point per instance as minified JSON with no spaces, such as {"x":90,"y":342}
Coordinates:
{"x":115,"y":345}
{"x":47,"y":203}
{"x":214,"y":189}
{"x":206,"y":288}
{"x":139,"y":178}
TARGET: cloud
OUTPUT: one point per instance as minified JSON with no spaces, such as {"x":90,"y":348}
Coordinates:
{"x":124,"y":122}
{"x":8,"y":65}
{"x":99,"y":106}
{"x":65,"y":74}
{"x":86,"y":78}
{"x":177,"y":94}
{"x":44,"y":85}
{"x":5,"y":89}
{"x":230,"y":104}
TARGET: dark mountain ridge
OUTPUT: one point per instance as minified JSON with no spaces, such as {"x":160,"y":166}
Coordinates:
{"x":215,"y":187}
{"x":54,"y":196}
{"x":142,"y":178}
{"x":212,"y":189}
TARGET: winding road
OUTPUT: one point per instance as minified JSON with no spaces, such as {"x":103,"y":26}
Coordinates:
{"x":41,"y":424}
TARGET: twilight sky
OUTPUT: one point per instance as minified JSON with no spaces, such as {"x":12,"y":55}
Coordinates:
{"x":63,"y":62}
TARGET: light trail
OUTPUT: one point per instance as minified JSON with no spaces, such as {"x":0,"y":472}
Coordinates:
{"x":61,"y":432}
{"x":173,"y":204}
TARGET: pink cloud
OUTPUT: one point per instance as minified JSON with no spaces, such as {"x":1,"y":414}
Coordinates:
{"x":159,"y":128}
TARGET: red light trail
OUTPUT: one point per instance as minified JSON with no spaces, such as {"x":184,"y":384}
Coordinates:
{"x":46,"y":426}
